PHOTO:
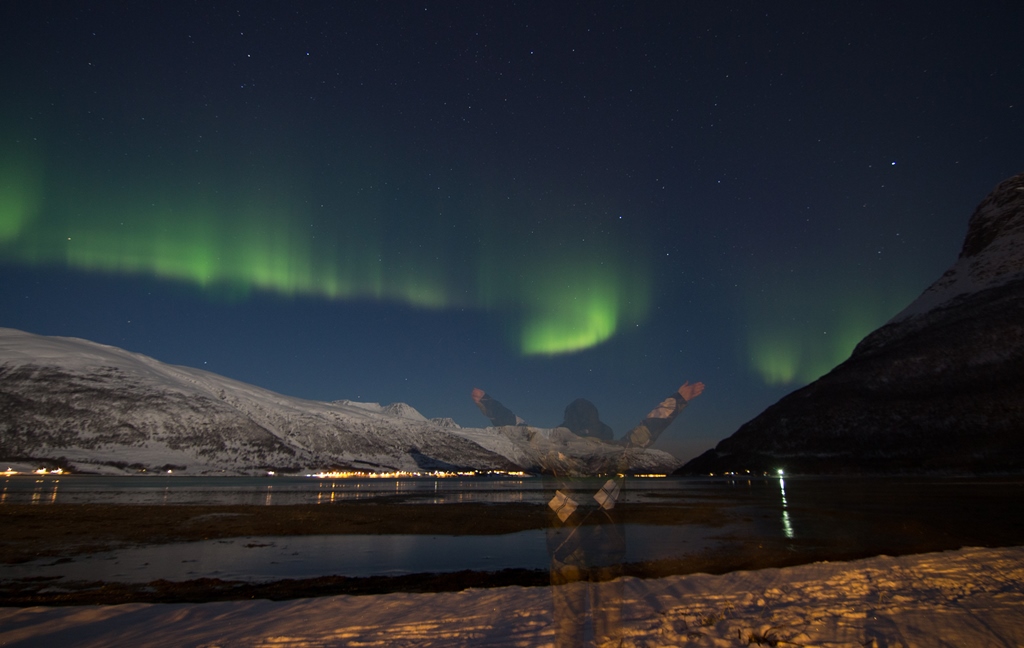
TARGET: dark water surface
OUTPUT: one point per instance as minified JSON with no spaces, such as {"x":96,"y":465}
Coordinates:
{"x":836,"y":517}
{"x":167,"y":489}
{"x":261,"y":559}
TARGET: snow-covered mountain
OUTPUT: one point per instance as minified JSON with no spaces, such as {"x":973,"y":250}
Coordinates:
{"x":938,"y":387}
{"x":96,"y":407}
{"x":559,"y":451}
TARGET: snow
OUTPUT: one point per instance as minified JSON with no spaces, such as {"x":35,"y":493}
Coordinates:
{"x":315,"y":430}
{"x":999,"y":261}
{"x":213,"y":424}
{"x":402,"y":410}
{"x":970,"y":597}
{"x":548,"y":447}
{"x":398,"y":410}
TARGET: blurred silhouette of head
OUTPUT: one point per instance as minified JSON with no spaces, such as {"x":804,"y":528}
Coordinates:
{"x":581,"y":418}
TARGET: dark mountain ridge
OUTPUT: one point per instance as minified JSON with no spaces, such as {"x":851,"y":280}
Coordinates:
{"x":939,"y":388}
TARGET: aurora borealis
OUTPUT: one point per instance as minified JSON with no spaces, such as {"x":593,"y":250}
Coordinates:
{"x":400,"y":201}
{"x":566,"y":296}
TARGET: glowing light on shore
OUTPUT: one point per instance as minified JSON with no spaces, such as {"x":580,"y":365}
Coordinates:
{"x":404,"y":474}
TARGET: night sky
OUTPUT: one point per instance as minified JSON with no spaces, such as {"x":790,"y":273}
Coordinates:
{"x":402,"y":201}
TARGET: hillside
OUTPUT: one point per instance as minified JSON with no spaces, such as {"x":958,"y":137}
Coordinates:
{"x":92,"y":407}
{"x":940,"y":387}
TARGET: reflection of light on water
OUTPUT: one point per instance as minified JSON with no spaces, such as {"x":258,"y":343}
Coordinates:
{"x":787,"y":526}
{"x":181,"y":490}
{"x":445,"y":491}
{"x":40,"y":490}
{"x":270,"y":494}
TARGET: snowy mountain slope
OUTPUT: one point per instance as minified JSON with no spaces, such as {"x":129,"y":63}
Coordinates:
{"x":91,"y":403}
{"x":992,"y":254}
{"x":103,"y":407}
{"x":939,"y":387}
{"x":561,"y":452}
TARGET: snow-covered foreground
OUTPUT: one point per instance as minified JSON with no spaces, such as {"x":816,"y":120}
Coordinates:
{"x":970,"y":597}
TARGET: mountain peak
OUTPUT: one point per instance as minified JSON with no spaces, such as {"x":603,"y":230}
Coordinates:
{"x":938,"y":388}
{"x":992,"y":254}
{"x":82,"y":405}
{"x":403,"y":411}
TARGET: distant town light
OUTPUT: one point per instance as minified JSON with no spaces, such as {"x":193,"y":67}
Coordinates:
{"x":438,"y":474}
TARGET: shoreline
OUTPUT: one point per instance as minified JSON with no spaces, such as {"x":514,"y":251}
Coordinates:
{"x":61,"y":531}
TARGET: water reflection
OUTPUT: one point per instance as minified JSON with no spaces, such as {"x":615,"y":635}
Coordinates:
{"x":269,"y":558}
{"x":787,"y":526}
{"x":267,"y":491}
{"x":287,"y":490}
{"x":588,"y":546}
{"x":845,"y":514}
{"x":43,"y":491}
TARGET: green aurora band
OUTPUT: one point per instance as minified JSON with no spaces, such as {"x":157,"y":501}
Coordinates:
{"x":577,"y":303}
{"x":794,"y":344}
{"x":564,"y":296}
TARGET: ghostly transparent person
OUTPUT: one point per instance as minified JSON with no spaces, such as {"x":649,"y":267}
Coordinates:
{"x":586,"y":539}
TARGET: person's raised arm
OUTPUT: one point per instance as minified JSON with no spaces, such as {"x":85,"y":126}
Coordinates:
{"x":662,"y":416}
{"x":495,"y":411}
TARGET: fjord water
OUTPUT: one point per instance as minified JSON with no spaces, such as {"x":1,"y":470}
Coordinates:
{"x":842,"y":517}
